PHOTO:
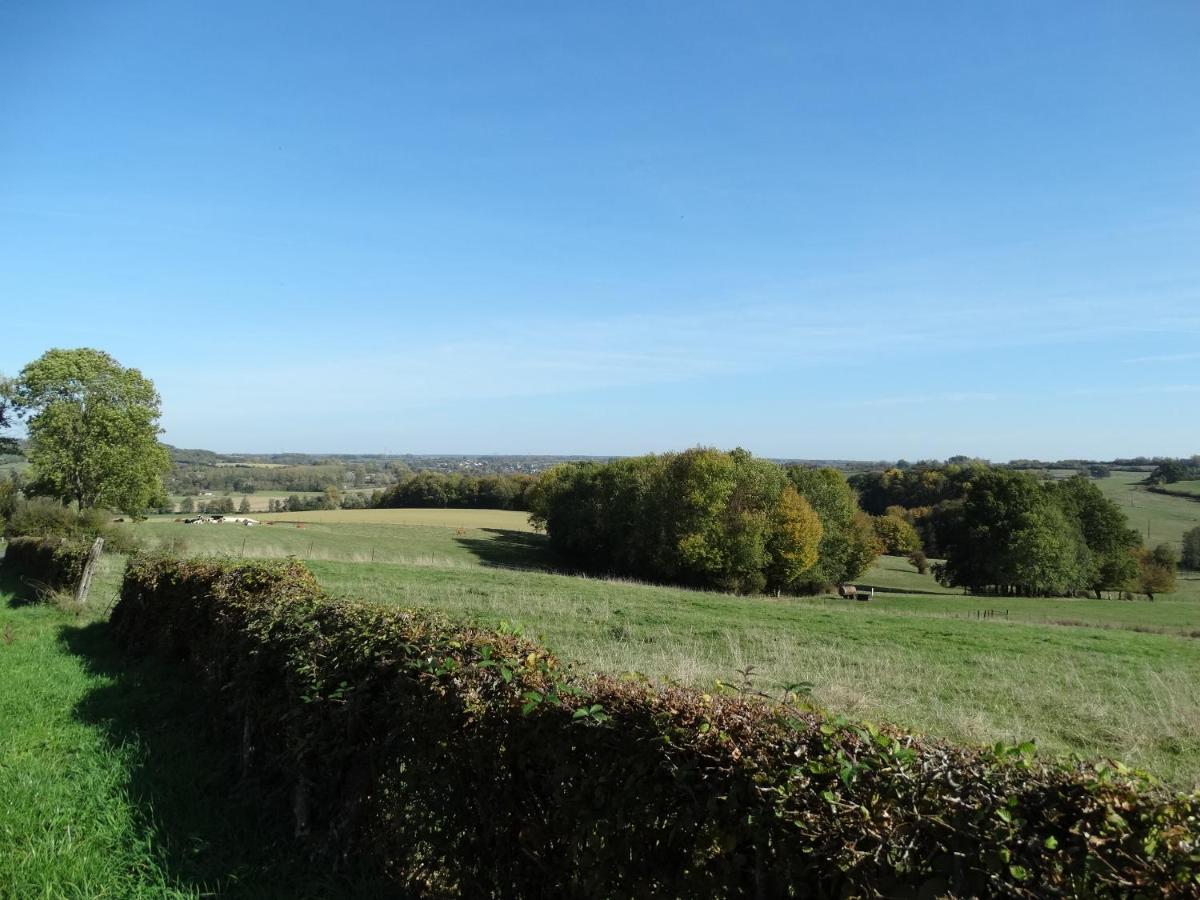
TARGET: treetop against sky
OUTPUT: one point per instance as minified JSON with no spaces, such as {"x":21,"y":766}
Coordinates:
{"x":807,"y":230}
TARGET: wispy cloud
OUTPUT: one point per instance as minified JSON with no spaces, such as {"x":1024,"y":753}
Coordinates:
{"x":972,"y":397}
{"x":1163,"y":358}
{"x":562,"y":353}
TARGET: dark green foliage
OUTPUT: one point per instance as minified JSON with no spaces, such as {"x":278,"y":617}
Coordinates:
{"x":1172,"y":470}
{"x":438,"y":490}
{"x":703,"y":518}
{"x":55,"y":562}
{"x":220,"y":506}
{"x":1191,"y":548}
{"x":464,"y":762}
{"x":918,"y":486}
{"x":1009,"y":535}
{"x":1111,"y":543}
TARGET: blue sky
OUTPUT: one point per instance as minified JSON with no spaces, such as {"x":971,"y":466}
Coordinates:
{"x":814,"y":230}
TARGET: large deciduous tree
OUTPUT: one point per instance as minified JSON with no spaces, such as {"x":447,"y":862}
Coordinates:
{"x":1156,"y":571}
{"x":1111,"y":543}
{"x":1009,"y":535}
{"x":93,"y":430}
{"x":848,"y":543}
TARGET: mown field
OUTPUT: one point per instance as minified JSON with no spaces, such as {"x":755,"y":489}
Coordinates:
{"x":1098,"y":677}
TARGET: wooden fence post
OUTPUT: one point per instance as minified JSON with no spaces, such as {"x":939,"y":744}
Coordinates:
{"x":89,"y":567}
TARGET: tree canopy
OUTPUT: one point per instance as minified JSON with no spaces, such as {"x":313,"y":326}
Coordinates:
{"x":1012,"y":534}
{"x":1191,"y":548}
{"x":93,"y":430}
{"x":705,"y":518}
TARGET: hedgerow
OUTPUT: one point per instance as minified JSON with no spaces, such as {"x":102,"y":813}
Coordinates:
{"x":55,"y":562}
{"x":463,"y":761}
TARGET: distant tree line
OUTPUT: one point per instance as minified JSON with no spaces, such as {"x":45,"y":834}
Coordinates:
{"x":192,"y":478}
{"x":706,"y":518}
{"x":454,"y":491}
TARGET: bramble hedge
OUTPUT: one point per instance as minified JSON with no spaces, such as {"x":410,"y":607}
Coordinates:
{"x":463,"y":761}
{"x":56,"y":562}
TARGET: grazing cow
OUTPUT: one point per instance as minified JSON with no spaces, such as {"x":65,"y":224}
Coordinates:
{"x":848,"y":590}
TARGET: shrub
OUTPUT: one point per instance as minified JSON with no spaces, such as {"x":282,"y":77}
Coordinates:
{"x":55,"y":562}
{"x":463,"y":761}
{"x":40,"y":516}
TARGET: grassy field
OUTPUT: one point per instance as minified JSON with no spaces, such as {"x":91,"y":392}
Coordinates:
{"x":109,"y":788}
{"x":418,"y":537}
{"x":1100,"y":677}
{"x":105,"y":790}
{"x":1157,"y":517}
{"x":920,"y":662}
{"x":1188,"y":488}
{"x":509,"y":520}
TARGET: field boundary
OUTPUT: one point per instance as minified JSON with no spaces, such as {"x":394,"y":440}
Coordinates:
{"x":469,"y":760}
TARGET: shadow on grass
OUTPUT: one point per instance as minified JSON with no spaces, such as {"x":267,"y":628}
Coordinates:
{"x":916,"y":592}
{"x":20,"y":592}
{"x":510,"y":549}
{"x":211,"y":833}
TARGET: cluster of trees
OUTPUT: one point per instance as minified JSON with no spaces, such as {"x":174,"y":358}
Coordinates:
{"x":439,"y":490}
{"x":330,"y":498}
{"x":1173,"y":470}
{"x":1013,"y":534}
{"x":216,"y":506}
{"x":706,"y":518}
{"x":918,"y":487}
{"x":1005,"y":531}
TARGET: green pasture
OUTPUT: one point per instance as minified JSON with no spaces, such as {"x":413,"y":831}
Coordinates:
{"x":109,"y":788}
{"x":418,"y":537}
{"x":1185,"y":487}
{"x":1098,"y":677}
{"x":1158,"y":518}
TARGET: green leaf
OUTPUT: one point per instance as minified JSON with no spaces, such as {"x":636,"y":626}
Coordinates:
{"x":1019,"y":872}
{"x":1005,"y":815}
{"x":1050,"y":843}
{"x":506,"y":674}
